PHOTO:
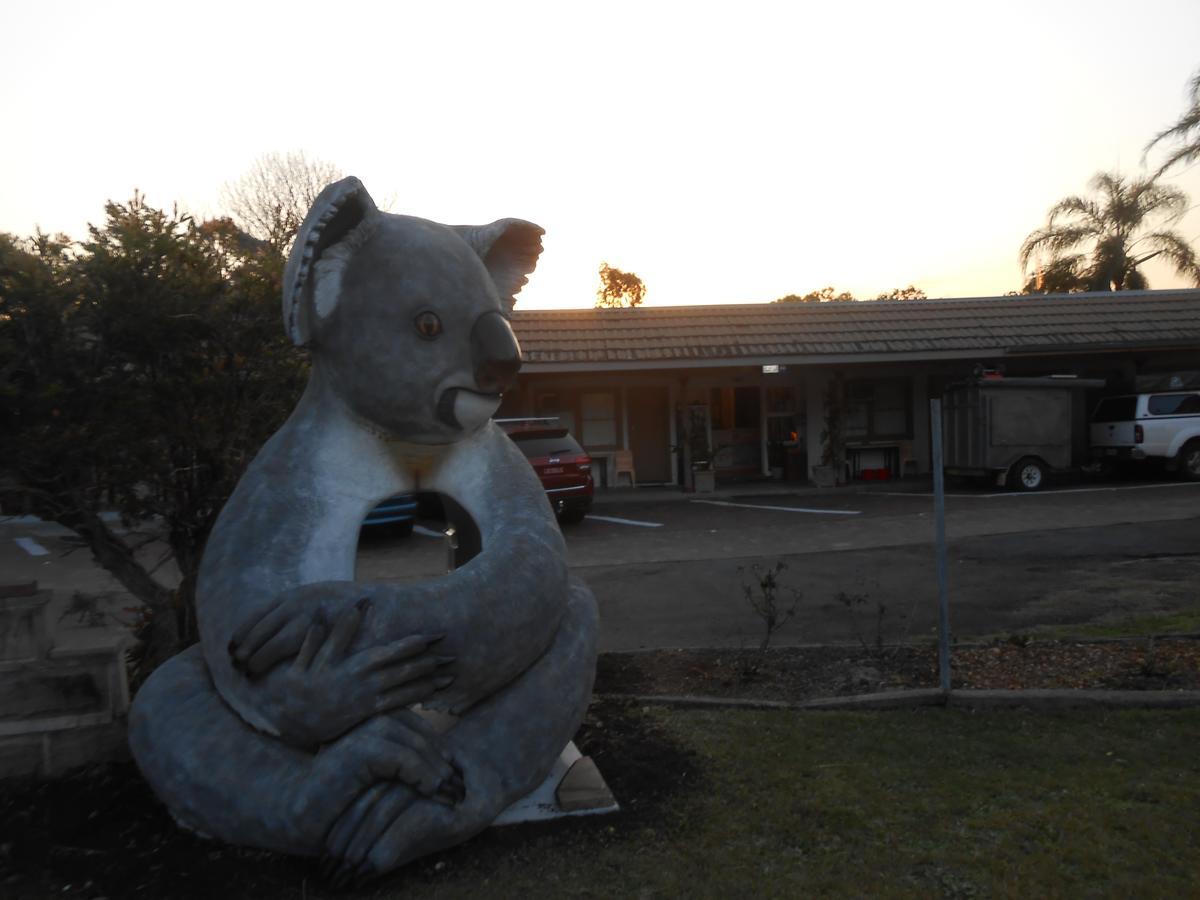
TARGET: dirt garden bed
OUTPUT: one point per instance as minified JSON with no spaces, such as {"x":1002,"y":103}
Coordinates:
{"x":809,"y":673}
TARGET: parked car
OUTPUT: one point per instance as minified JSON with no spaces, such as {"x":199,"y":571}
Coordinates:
{"x":397,"y":512}
{"x":1145,"y":427}
{"x":564,"y":467}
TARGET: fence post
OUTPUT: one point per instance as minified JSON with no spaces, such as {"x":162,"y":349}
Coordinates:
{"x":939,"y":518}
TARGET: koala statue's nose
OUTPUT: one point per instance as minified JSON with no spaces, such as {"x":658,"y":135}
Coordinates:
{"x":495,"y":353}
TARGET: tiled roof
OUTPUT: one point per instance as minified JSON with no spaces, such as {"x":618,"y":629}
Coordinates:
{"x":671,"y":336}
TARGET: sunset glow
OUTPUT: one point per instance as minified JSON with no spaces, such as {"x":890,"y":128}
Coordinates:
{"x":722,"y":153}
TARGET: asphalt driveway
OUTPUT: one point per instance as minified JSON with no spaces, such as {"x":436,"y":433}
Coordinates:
{"x":668,"y":569}
{"x":1016,"y":561}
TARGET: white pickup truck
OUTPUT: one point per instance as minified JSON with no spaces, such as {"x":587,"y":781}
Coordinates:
{"x":1163,"y":426}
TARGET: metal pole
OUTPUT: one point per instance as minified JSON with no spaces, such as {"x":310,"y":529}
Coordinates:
{"x":939,"y":518}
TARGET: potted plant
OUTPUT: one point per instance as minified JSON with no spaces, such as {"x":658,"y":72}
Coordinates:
{"x":833,"y":441}
{"x":704,"y":479}
{"x":699,"y":453}
{"x":776,"y":459}
{"x":703,"y":476}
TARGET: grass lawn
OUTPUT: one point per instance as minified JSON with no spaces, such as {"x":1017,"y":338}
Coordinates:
{"x":925,"y":803}
{"x":1183,"y":621}
{"x":720,"y":803}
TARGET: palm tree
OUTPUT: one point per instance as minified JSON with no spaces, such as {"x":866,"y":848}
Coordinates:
{"x":1186,"y":131}
{"x":1104,"y":240}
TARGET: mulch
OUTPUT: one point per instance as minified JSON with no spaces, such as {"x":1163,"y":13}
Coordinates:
{"x":100,"y":833}
{"x":809,"y":673}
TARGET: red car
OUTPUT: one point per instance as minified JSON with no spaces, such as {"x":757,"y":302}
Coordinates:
{"x":564,"y":467}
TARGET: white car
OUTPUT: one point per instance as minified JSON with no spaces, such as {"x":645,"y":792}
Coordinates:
{"x":1163,"y":426}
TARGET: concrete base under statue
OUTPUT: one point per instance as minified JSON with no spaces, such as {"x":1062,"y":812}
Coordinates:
{"x":574,"y":787}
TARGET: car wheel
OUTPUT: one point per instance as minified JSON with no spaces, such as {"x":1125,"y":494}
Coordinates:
{"x":1189,"y":461}
{"x":571,"y":516}
{"x":1027,"y":475}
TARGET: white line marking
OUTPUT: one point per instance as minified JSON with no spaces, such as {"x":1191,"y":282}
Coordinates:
{"x":32,"y":547}
{"x":1091,"y":490}
{"x":617,"y":521}
{"x":799,"y":509}
{"x":427,"y":532}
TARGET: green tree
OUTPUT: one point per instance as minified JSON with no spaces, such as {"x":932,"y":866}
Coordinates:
{"x":904,"y":293}
{"x":1065,"y":275}
{"x":618,"y":289}
{"x":141,"y":371}
{"x":1104,"y":240}
{"x":824,"y":295}
{"x":1185,"y":133}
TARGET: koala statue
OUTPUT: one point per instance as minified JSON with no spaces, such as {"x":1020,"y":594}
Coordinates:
{"x":372,"y":723}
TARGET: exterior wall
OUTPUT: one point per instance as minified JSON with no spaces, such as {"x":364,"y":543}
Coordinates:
{"x":908,"y":453}
{"x":922,"y":447}
{"x":573,"y":398}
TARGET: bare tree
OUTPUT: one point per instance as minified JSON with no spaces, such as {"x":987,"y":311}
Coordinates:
{"x":272,"y":198}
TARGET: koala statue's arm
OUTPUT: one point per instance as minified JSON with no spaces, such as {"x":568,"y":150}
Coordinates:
{"x":498,"y":613}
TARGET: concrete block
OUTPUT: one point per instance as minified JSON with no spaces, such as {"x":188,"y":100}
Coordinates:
{"x":24,"y":624}
{"x":48,"y":689}
{"x":21,"y":756}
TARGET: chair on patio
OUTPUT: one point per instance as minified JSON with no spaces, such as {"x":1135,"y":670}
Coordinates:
{"x":623,"y":462}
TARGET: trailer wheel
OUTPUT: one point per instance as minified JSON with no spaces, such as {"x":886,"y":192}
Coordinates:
{"x":1029,"y":474}
{"x":1189,"y":461}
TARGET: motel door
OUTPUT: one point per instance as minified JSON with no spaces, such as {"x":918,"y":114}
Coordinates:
{"x":736,"y":430}
{"x":650,"y":433}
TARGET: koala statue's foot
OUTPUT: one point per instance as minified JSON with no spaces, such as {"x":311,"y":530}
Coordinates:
{"x":386,"y":827}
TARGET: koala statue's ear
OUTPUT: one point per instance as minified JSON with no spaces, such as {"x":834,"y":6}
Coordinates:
{"x":311,"y":279}
{"x":509,"y":249}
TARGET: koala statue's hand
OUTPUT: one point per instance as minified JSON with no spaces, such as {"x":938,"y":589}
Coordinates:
{"x":276,"y":634}
{"x":325,"y":692}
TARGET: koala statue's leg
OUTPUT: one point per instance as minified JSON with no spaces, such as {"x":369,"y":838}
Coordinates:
{"x":227,"y":780}
{"x":505,"y":745}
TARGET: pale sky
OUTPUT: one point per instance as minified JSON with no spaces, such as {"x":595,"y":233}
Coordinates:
{"x":724,"y":152}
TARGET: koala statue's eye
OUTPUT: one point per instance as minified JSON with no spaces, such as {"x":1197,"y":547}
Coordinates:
{"x":428,"y":325}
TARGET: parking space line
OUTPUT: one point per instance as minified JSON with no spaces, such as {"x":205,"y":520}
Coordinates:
{"x":799,"y":509}
{"x":32,"y":547}
{"x":1090,"y":490}
{"x":427,"y":532}
{"x":619,"y":521}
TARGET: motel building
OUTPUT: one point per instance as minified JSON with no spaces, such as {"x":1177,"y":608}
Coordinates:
{"x":754,"y":377}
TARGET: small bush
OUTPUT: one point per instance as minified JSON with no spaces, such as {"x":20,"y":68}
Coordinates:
{"x":762,"y":593}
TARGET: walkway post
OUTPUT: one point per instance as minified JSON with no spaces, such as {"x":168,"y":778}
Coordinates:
{"x":939,"y":518}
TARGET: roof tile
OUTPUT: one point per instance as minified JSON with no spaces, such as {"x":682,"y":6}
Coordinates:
{"x":1000,"y":324}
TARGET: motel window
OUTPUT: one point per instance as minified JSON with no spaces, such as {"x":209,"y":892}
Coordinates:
{"x":556,"y":405}
{"x":734,"y":408}
{"x":599,"y":415}
{"x":877,"y":409}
